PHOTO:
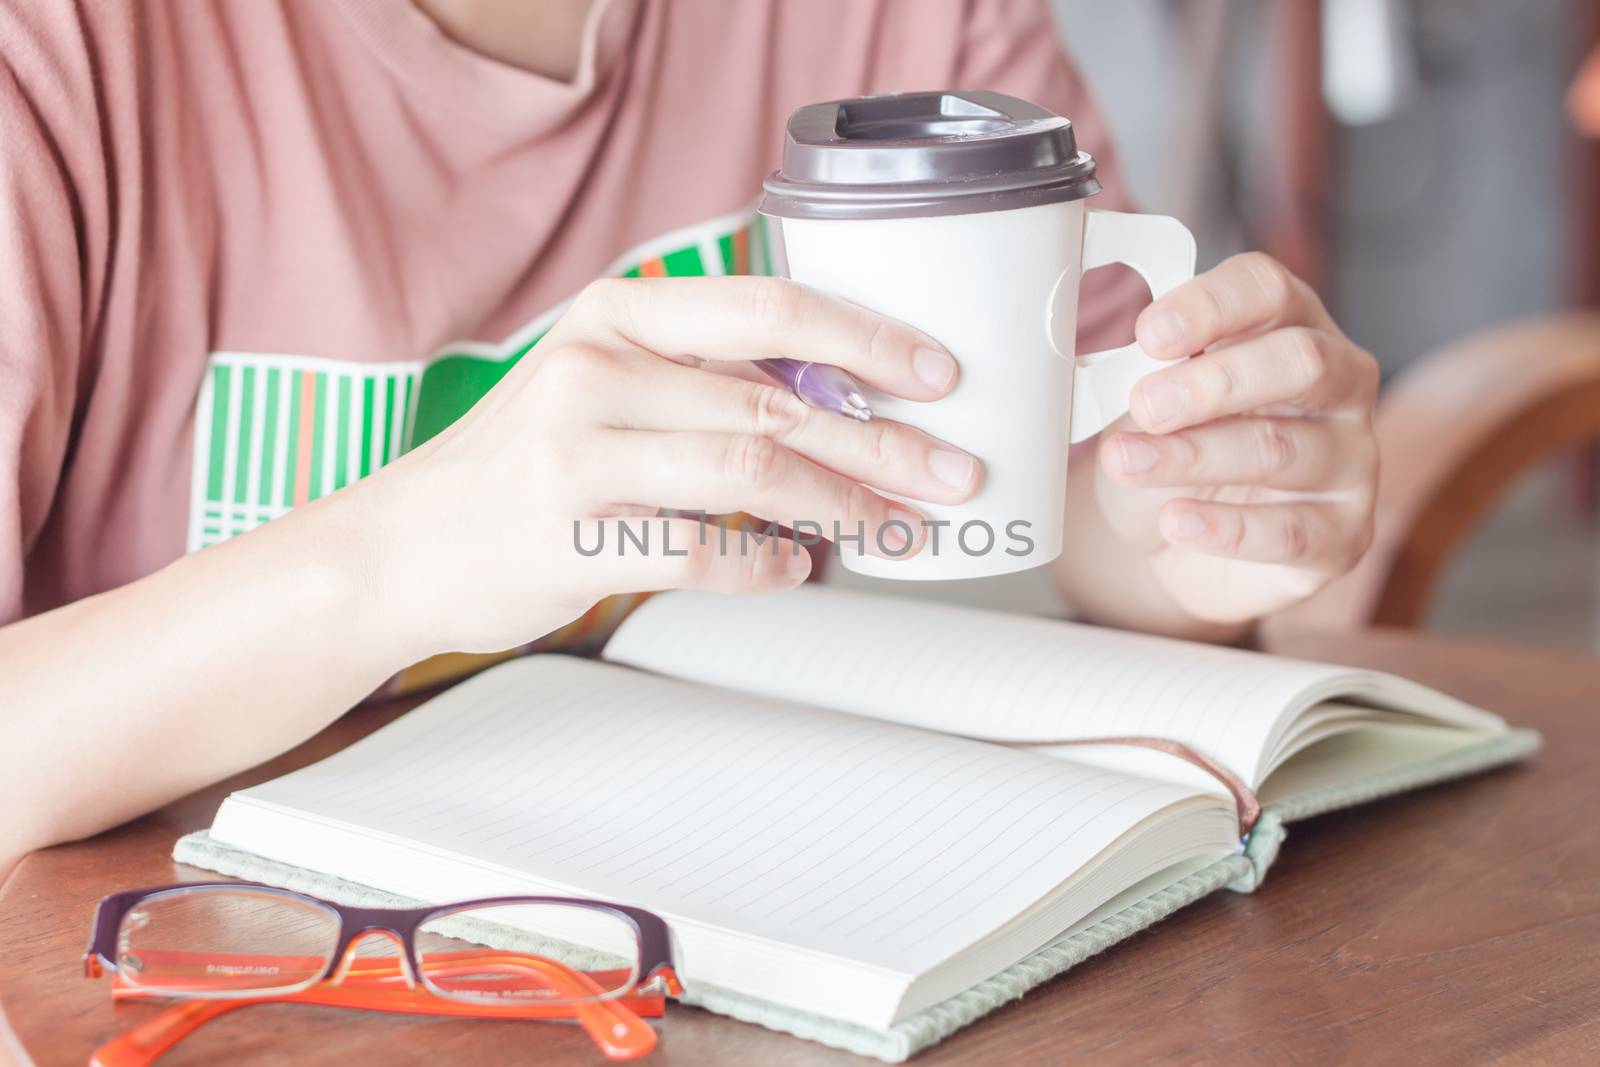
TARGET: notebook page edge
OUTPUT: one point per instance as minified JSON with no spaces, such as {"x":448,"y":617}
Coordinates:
{"x":1382,"y":691}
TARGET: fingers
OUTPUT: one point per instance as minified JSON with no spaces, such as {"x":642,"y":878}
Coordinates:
{"x":1289,"y":453}
{"x":1244,"y":294}
{"x":1263,"y":349}
{"x":643,"y":555}
{"x":888,"y":455}
{"x":727,"y":472}
{"x":1299,"y":368}
{"x":743,"y":318}
{"x":1312,"y":535}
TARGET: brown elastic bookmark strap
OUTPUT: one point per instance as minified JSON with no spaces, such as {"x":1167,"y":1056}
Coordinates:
{"x":1249,"y":807}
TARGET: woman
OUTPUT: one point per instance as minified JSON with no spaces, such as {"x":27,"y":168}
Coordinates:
{"x":255,"y":252}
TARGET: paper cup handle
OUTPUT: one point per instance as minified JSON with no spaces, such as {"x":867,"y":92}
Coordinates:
{"x":1162,"y":250}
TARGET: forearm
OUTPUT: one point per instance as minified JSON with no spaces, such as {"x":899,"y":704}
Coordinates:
{"x":121,"y":702}
{"x":1110,"y":580}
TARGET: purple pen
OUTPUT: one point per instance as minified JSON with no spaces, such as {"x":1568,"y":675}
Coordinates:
{"x":819,"y":385}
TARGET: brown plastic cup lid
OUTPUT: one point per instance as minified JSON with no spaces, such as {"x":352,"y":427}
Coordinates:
{"x":903,"y":155}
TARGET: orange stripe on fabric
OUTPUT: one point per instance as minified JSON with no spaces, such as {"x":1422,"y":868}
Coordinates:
{"x":585,"y":635}
{"x":446,"y":667}
{"x":308,"y":422}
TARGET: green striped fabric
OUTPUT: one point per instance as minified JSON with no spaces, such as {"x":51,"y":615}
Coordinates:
{"x":274,"y":431}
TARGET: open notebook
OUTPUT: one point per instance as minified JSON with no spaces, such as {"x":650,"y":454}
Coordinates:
{"x":862,"y":817}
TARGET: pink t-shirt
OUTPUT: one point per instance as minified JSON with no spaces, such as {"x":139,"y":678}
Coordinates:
{"x":251,"y":251}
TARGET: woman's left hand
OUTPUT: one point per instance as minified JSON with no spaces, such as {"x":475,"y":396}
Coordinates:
{"x":1251,"y":476}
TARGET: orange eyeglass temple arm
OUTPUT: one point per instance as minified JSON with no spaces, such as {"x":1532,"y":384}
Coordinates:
{"x":380,"y":985}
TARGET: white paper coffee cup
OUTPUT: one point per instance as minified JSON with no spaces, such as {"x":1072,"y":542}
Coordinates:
{"x":964,"y":215}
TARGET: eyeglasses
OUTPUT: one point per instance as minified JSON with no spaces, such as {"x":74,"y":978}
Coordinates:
{"x":226,"y":945}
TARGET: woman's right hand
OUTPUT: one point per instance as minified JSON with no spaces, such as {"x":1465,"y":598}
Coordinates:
{"x":616,"y":413}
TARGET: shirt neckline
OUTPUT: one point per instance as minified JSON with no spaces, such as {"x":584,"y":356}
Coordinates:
{"x":468,"y":86}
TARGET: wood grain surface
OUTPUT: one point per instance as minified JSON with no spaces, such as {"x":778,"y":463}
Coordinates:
{"x":1459,"y":924}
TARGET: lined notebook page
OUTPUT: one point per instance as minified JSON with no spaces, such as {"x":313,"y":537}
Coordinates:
{"x":872,"y":842}
{"x":967,"y":671}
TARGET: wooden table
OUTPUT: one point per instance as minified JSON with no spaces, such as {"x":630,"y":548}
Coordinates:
{"x":1458,"y":924}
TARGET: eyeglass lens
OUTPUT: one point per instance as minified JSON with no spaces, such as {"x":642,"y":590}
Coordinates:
{"x":528,"y":952}
{"x":219,"y":942}
{"x":239,"y":941}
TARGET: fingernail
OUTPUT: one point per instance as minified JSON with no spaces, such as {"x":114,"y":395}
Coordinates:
{"x":954,"y":469}
{"x":1137,"y":456}
{"x":899,"y":530}
{"x":799,"y":564}
{"x":1164,"y":401}
{"x":1189,"y":526}
{"x":1164,"y":328}
{"x":934,"y":368}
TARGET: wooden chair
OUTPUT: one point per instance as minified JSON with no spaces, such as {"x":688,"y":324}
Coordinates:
{"x":1455,"y":431}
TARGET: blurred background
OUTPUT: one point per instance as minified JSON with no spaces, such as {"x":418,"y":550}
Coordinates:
{"x":1418,"y":161}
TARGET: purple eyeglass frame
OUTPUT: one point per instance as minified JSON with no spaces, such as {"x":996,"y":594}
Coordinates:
{"x":655,"y":946}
